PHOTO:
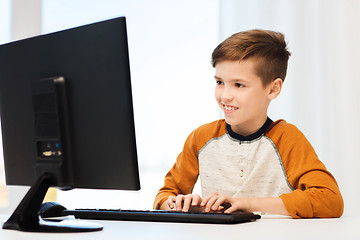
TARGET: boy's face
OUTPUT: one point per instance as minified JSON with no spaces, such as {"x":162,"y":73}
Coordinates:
{"x":241,"y":95}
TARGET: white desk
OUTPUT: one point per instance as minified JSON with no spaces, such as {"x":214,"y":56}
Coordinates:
{"x":269,"y":227}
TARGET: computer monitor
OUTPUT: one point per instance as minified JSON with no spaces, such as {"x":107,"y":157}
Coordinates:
{"x":67,"y":114}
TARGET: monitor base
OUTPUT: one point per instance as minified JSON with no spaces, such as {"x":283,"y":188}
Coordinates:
{"x":26,"y":215}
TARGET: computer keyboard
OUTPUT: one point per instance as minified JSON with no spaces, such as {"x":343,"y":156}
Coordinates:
{"x":163,"y":216}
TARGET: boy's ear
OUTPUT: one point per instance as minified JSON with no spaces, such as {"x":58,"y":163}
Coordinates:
{"x":275,"y":88}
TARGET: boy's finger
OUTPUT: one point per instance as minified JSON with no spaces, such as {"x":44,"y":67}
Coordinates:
{"x":211,"y":202}
{"x":230,"y":210}
{"x":178,"y":202}
{"x":187,"y":201}
{"x":196,"y":200}
{"x":206,"y":199}
{"x":218,"y":203}
{"x":170,"y":202}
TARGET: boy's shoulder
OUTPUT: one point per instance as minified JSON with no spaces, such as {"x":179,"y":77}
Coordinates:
{"x":201,"y":135}
{"x":210,"y":130}
{"x":282,"y":130}
{"x":281,"y":125}
{"x":215,"y":128}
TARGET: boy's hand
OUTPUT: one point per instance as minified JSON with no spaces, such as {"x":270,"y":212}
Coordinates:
{"x":183,"y":202}
{"x":216,"y":202}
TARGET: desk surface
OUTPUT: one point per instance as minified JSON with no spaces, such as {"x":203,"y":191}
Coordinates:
{"x":269,"y":227}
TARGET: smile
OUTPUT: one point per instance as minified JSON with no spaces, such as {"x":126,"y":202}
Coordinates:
{"x":228,"y":108}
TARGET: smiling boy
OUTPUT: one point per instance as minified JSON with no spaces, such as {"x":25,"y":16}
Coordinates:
{"x":246,"y":161}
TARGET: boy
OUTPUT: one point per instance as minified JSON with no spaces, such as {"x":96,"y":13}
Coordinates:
{"x":246,"y":161}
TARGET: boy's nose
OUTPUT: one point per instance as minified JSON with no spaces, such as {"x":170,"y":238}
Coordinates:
{"x":226,"y":95}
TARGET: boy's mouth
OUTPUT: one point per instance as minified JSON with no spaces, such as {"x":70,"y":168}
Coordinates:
{"x":228,"y":108}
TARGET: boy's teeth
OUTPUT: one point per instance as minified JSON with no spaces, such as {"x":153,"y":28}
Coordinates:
{"x":229,"y":108}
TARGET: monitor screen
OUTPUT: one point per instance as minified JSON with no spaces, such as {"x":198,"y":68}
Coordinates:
{"x":66,"y":109}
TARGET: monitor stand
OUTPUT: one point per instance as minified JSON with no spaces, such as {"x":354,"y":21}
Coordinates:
{"x":26,"y":215}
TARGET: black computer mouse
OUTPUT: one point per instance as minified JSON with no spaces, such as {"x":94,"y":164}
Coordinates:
{"x":51,"y":209}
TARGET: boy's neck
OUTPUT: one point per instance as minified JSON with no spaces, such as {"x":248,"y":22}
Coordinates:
{"x":253,"y":135}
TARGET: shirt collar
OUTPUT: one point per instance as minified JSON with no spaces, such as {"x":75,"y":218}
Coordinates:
{"x":250,"y":137}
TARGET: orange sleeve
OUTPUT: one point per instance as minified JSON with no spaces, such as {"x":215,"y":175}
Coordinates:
{"x":316,"y":192}
{"x":183,"y":175}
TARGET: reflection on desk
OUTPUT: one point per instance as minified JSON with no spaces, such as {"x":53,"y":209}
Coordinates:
{"x":268,"y":227}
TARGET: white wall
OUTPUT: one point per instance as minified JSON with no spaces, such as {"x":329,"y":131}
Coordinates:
{"x":25,"y":13}
{"x":321,"y":93}
{"x":5,"y":21}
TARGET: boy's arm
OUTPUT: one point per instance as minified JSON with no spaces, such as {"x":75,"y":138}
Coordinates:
{"x":182,"y":176}
{"x":316,"y":192}
{"x":173,"y":186}
{"x":272,"y":205}
{"x":317,"y":195}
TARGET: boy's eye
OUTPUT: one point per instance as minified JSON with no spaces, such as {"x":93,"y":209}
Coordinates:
{"x":239,"y":85}
{"x":218,"y":82}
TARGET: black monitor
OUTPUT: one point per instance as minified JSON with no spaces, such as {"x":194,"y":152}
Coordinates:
{"x":67,"y":114}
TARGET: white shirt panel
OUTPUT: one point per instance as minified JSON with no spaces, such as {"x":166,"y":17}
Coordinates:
{"x":242,"y":169}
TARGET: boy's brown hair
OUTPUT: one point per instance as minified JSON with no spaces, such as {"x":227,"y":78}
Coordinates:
{"x":267,"y":47}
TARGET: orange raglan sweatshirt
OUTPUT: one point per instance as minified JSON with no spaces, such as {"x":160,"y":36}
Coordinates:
{"x":275,"y":161}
